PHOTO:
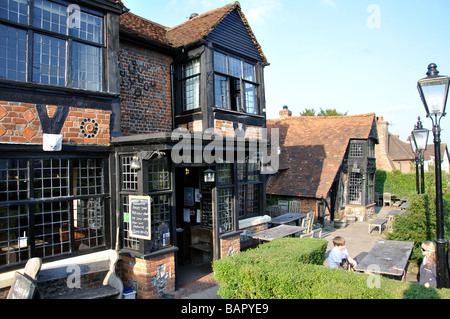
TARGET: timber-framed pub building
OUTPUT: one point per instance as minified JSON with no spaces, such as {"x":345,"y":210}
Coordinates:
{"x":95,"y":103}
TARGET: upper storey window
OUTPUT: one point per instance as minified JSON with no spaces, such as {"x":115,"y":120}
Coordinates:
{"x":235,"y":84}
{"x":191,"y":85}
{"x":52,"y":43}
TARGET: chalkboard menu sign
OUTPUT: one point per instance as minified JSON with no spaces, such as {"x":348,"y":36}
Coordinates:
{"x":139,"y":217}
{"x":206,"y":208}
{"x":22,"y":287}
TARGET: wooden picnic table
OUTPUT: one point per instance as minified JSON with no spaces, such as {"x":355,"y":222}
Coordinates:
{"x":379,"y":222}
{"x":288,"y":218}
{"x":277,"y":232}
{"x":387,"y":257}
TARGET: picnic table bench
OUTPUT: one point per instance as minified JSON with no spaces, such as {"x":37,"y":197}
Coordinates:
{"x":277,"y":232}
{"x":379,"y":222}
{"x":387,"y":257}
{"x":288,"y":218}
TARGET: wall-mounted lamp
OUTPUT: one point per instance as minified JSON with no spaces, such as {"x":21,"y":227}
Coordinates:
{"x":135,"y":164}
{"x":209,"y":176}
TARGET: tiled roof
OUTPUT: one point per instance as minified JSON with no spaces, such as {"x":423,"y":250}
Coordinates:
{"x":312,"y":150}
{"x":146,"y":29}
{"x":191,"y":31}
{"x":199,"y":27}
{"x":398,"y":150}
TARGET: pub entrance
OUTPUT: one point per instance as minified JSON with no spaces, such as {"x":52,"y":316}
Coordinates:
{"x":194,"y":223}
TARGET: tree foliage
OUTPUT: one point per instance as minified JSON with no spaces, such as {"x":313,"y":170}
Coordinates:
{"x":326,"y":112}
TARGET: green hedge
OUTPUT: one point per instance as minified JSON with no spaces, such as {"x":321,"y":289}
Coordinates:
{"x":292,"y":268}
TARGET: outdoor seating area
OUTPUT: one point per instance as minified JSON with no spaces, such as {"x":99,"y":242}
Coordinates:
{"x":387,"y":257}
{"x":286,"y":220}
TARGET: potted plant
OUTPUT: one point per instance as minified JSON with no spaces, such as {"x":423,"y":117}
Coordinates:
{"x":340,"y":221}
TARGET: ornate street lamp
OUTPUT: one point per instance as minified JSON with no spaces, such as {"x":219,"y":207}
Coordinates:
{"x":433,"y":91}
{"x":419,"y":145}
{"x":416,"y":160}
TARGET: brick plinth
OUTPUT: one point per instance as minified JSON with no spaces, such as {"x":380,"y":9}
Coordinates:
{"x":150,"y":278}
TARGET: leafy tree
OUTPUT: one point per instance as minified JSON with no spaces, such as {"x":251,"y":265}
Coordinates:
{"x":326,"y":112}
{"x":330,"y":112}
{"x":308,"y":112}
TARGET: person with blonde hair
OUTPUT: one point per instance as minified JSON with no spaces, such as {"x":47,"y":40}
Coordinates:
{"x":339,"y":256}
{"x":428,"y":266}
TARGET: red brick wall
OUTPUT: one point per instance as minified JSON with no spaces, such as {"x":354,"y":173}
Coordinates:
{"x":230,"y":246}
{"x":19,"y":123}
{"x":145,"y":89}
{"x":149,"y":278}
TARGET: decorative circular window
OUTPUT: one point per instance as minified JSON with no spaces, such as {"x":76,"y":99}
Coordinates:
{"x":89,"y":128}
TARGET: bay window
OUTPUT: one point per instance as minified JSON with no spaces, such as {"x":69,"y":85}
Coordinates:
{"x":235,"y":86}
{"x":51,"y":206}
{"x":65,"y":44}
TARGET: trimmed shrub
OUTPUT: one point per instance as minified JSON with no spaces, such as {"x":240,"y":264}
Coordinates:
{"x":292,"y":268}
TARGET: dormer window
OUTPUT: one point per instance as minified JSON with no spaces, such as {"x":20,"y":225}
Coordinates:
{"x":235,"y":86}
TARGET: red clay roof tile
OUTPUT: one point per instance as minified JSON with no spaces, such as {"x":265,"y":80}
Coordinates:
{"x":312,"y":150}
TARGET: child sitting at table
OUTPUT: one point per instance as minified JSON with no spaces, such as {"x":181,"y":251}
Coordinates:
{"x":339,"y":255}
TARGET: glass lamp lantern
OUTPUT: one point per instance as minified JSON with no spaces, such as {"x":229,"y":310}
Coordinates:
{"x":419,"y":137}
{"x":433,"y":91}
{"x":209,"y":176}
{"x":413,"y":144}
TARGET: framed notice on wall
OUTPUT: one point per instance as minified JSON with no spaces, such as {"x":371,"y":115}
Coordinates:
{"x":139,"y":211}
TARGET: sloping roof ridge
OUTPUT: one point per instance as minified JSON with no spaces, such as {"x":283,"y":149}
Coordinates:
{"x":204,"y":14}
{"x":323,"y":117}
{"x":147,"y":20}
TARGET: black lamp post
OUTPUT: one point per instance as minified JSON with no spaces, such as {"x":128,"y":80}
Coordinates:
{"x":419,"y":141}
{"x":433,"y":91}
{"x":416,"y":160}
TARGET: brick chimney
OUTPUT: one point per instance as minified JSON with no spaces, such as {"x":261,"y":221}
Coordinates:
{"x":284,"y":113}
{"x":382,"y":149}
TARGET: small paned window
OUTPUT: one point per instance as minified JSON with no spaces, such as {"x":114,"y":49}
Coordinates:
{"x":67,"y":46}
{"x":225,"y":209}
{"x":13,"y":53}
{"x":191,"y":85}
{"x":51,"y":206}
{"x":161,"y":220}
{"x":355,"y":188}
{"x":158,"y":174}
{"x":128,"y":242}
{"x":129,"y":176}
{"x":14,"y":10}
{"x":249,"y":188}
{"x":235,"y":86}
{"x":49,"y":60}
{"x":356,"y":150}
{"x":225,"y":173}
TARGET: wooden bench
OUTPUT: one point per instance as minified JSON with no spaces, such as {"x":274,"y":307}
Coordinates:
{"x":377,"y":223}
{"x":111,"y":287}
{"x":202,"y":239}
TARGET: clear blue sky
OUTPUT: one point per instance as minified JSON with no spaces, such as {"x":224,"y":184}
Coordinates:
{"x":355,"y":56}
